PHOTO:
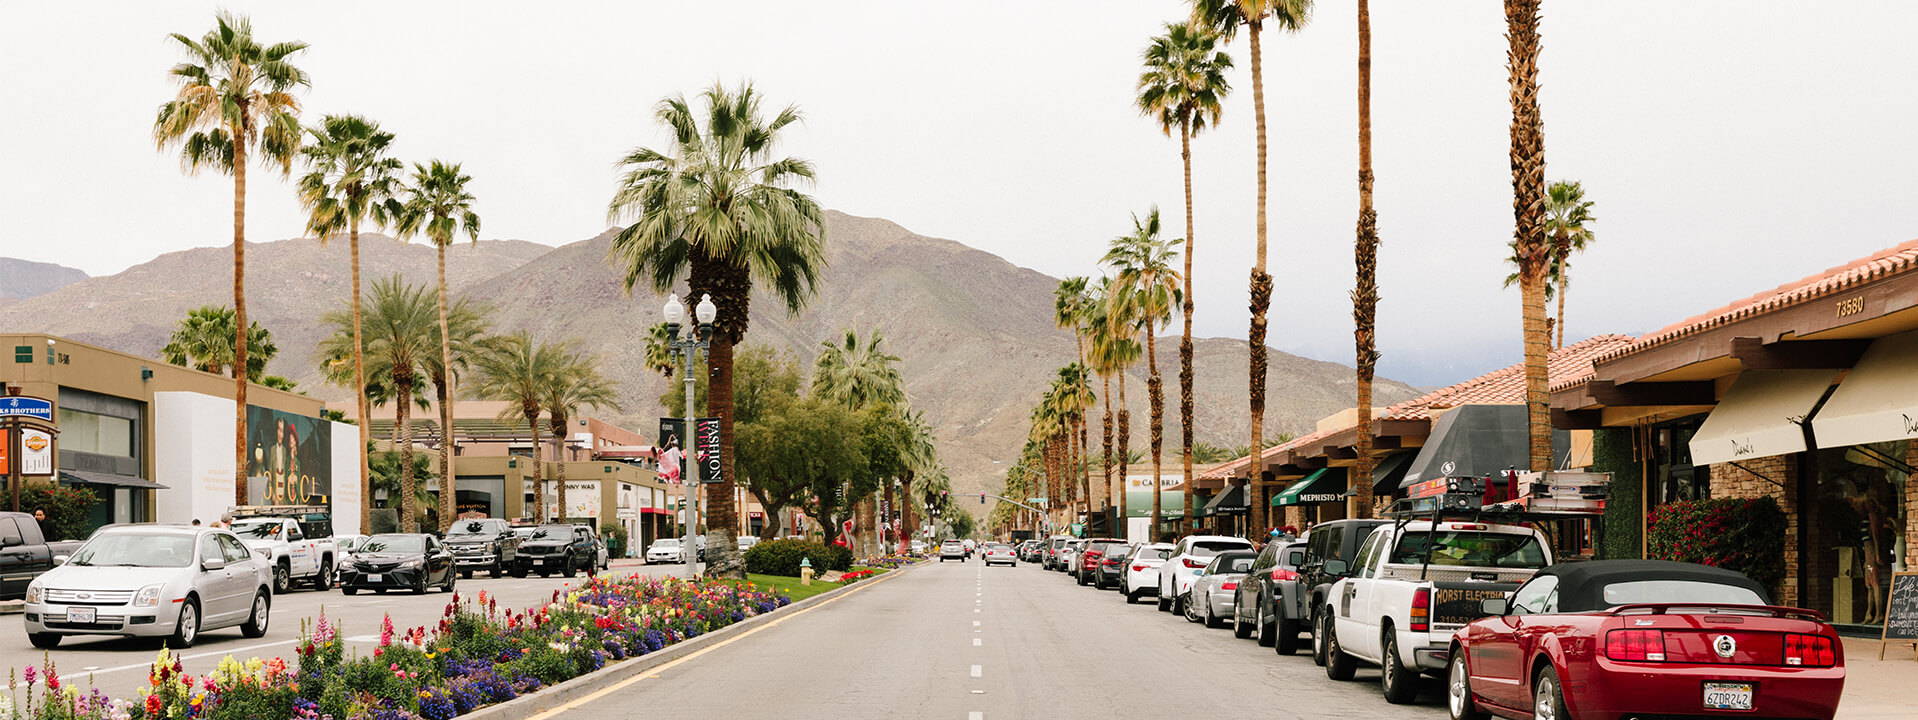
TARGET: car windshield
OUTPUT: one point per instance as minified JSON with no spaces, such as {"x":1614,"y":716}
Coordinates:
{"x":1208,"y":548}
{"x":351,"y":544}
{"x":998,"y":547}
{"x":953,"y":543}
{"x":1222,"y":566}
{"x":553,"y":532}
{"x":136,"y":550}
{"x":665,"y":543}
{"x":260,"y":529}
{"x":1468,"y":548}
{"x":394,"y":544}
{"x":1677,"y":591}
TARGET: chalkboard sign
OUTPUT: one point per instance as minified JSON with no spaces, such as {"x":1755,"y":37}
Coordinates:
{"x":1901,"y":609}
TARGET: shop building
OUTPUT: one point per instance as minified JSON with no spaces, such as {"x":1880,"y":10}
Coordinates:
{"x":1806,"y":393}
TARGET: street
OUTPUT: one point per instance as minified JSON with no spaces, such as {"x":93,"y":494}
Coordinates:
{"x":959,"y":640}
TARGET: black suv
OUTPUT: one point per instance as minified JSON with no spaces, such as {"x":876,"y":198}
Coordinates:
{"x":487,"y":544}
{"x":559,"y":548}
{"x":1331,"y":540}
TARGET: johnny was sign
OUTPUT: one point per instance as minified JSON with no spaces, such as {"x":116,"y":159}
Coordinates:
{"x":582,"y":500}
{"x":289,"y":458}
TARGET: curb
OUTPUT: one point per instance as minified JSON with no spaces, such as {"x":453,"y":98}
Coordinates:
{"x":556,"y":695}
{"x":13,"y":607}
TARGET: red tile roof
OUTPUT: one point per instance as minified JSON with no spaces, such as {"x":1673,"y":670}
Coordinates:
{"x":1504,"y":386}
{"x":1884,"y":263}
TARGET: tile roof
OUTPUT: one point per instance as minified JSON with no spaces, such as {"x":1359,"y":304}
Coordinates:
{"x":1504,"y":386}
{"x":1894,"y":260}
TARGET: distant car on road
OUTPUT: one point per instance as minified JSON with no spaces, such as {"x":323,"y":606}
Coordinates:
{"x":1142,"y":570}
{"x":1000,"y":553}
{"x":952,"y":550}
{"x":1189,"y":554}
{"x":486,"y":544}
{"x":1068,"y":556}
{"x":301,"y":549}
{"x":746,"y":542}
{"x":1053,"y":545}
{"x":400,"y":561}
{"x":152,"y":581}
{"x":1031,"y":550}
{"x":1109,"y":572}
{"x":1270,"y":603}
{"x":1090,"y":556}
{"x":1214,"y":592}
{"x":665,"y":550}
{"x":565,"y":549}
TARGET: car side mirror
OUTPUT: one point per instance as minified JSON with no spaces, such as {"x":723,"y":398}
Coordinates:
{"x":1494,"y":606}
{"x":1333,"y":567}
{"x":59,"y":560}
{"x":212,"y":564}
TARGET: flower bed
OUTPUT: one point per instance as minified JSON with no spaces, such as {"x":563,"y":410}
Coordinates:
{"x":891,"y":562}
{"x":854,"y":576}
{"x":477,"y":655}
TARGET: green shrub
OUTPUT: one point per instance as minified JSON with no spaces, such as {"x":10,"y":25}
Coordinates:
{"x":1743,"y":535}
{"x":67,"y":509}
{"x":781,"y":557}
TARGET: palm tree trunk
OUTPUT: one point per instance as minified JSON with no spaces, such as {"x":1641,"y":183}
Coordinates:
{"x":1125,"y":453}
{"x":361,"y":406}
{"x":539,"y":485}
{"x":1155,"y":394}
{"x":1185,"y":336}
{"x":1105,"y":423}
{"x":1528,"y":210}
{"x":559,"y":461}
{"x":722,"y":517}
{"x":409,"y":489}
{"x":905,"y":513}
{"x":449,"y":480}
{"x":1261,"y":283}
{"x":1564,"y":283}
{"x":240,"y":335}
{"x":1365,"y":293}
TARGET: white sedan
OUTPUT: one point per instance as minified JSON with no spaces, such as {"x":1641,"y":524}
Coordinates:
{"x":1142,"y":570}
{"x":664,"y":550}
{"x":152,"y":581}
{"x":1001,"y":553}
{"x":1191,"y":553}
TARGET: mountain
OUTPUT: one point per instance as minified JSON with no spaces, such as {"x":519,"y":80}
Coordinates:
{"x":22,"y":279}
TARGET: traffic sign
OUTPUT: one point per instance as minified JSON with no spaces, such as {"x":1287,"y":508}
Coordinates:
{"x":24,"y":406}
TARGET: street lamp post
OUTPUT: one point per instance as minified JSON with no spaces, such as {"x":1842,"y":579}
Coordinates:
{"x":687,"y":349}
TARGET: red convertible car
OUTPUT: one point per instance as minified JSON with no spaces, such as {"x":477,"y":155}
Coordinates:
{"x":1616,"y":639}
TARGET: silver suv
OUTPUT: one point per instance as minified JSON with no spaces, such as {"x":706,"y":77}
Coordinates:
{"x":152,"y":581}
{"x":952,"y":550}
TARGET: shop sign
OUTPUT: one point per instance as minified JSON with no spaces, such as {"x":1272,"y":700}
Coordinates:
{"x":582,"y":500}
{"x":26,"y":406}
{"x":36,"y":452}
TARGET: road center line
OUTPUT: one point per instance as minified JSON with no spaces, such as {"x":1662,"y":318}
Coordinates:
{"x":978,"y":671}
{"x":976,"y":642}
{"x":974,"y":715}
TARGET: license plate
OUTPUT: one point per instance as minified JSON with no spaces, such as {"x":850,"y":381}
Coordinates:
{"x":82,"y":615}
{"x":539,"y":561}
{"x":375,"y":577}
{"x":1728,"y":696}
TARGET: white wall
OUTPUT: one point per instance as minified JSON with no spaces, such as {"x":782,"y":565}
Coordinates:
{"x":192,"y":456}
{"x":346,"y":479}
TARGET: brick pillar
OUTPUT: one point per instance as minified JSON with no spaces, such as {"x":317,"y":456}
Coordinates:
{"x":1911,"y":508}
{"x":1729,"y":481}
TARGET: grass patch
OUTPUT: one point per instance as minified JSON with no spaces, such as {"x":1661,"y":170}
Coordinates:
{"x":789,"y":586}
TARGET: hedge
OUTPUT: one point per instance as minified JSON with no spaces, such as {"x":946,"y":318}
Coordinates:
{"x":782,"y":557}
{"x":1742,"y":535}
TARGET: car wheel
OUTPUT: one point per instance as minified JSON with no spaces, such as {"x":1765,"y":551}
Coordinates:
{"x":1338,"y":665}
{"x":1240,"y":629}
{"x":1165,"y":603}
{"x":570,"y":570}
{"x":188,"y":628}
{"x":449,"y":582}
{"x":1263,"y":628}
{"x":1131,"y":596}
{"x":282,"y":579}
{"x":324,"y":580}
{"x":1285,"y":636}
{"x":498,"y":570}
{"x":1548,"y":699}
{"x":1400,"y":685}
{"x":349,"y":590}
{"x":44,"y":641}
{"x":1182,"y":605}
{"x":1211,"y":620}
{"x":1458,"y":690}
{"x":1318,"y":643}
{"x":419,"y":586}
{"x":256,"y":623}
{"x":1082,"y":579}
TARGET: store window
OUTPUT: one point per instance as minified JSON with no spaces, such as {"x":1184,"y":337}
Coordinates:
{"x":1862,"y":516}
{"x":82,"y":431}
{"x":1673,"y":475}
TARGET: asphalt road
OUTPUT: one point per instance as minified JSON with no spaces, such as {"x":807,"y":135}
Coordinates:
{"x":118,"y":666}
{"x":963,"y":641}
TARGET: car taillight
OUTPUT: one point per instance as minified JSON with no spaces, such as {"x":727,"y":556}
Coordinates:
{"x":1284,"y":574}
{"x":1809,"y":650}
{"x":1422,"y":610}
{"x":1140,"y":568}
{"x":1635,"y":645}
{"x":1092,"y":555}
{"x":1228,"y":586}
{"x":1115,"y":562}
{"x":1193,"y":563}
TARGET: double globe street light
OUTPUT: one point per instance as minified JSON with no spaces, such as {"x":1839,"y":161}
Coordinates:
{"x":686,"y":349}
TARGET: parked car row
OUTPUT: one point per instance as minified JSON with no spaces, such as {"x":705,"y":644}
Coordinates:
{"x":1485,"y":608}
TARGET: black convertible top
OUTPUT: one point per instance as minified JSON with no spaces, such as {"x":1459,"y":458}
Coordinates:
{"x":1581,"y":585}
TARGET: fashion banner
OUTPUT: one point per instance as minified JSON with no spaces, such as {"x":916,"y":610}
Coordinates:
{"x":289,"y":458}
{"x":672,"y":449}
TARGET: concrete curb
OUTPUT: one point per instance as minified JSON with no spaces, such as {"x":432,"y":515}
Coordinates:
{"x":554,"y":696}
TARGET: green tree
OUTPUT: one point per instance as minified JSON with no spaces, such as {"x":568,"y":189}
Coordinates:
{"x":719,"y":207}
{"x":1072,"y":308}
{"x":438,"y":206}
{"x":858,"y":373}
{"x":814,"y":450}
{"x":1568,"y":219}
{"x":204,"y":341}
{"x":1181,"y":89}
{"x":235,"y":97}
{"x":351,"y":179}
{"x":1145,"y":287}
{"x":577,"y":385}
{"x":517,"y":370}
{"x":1114,"y":349}
{"x":387,"y":477}
{"x":767,"y":384}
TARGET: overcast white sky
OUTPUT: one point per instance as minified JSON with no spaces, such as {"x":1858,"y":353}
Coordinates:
{"x":1731,"y":146}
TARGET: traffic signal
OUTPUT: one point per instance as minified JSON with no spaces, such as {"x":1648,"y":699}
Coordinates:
{"x":982,"y":498}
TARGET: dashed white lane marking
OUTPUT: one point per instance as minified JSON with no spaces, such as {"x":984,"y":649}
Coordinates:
{"x":975,"y":623}
{"x":978,"y":671}
{"x":976,"y":642}
{"x":975,"y":610}
{"x":974,"y":715}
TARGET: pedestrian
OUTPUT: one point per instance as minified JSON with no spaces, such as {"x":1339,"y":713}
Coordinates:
{"x":196,"y":522}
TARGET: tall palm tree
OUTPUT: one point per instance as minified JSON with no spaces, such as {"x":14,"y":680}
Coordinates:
{"x":235,"y":98}
{"x":204,"y":341}
{"x":1114,"y":351}
{"x":519,"y":371}
{"x":1530,"y":244}
{"x":1567,"y":215}
{"x":350,"y":179}
{"x":718,"y":207}
{"x":858,"y":374}
{"x":577,"y":385}
{"x":922,"y":459}
{"x":1071,"y":305}
{"x":1145,"y":287}
{"x":1074,"y":387}
{"x":1228,"y":16}
{"x":438,"y":206}
{"x":1365,"y":290}
{"x":1181,"y":89}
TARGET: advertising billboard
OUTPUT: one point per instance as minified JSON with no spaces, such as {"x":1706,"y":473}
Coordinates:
{"x":289,"y":458}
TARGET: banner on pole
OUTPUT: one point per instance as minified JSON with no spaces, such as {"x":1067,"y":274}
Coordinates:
{"x":705,"y":443}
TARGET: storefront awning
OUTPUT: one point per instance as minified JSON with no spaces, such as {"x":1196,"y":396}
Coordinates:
{"x":1878,"y":401}
{"x":1230,"y":501}
{"x":1390,"y":471}
{"x":1324,"y":485}
{"x":1473,"y":441}
{"x":99,"y":478}
{"x":1760,"y":416}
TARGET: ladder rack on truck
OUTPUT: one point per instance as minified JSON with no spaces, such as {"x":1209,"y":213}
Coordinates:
{"x":1462,"y":499}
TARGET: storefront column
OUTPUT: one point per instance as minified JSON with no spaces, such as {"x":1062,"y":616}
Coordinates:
{"x":1780,"y":482}
{"x":1911,"y":510}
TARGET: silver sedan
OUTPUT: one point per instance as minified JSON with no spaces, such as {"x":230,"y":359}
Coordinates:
{"x":152,"y":581}
{"x":1213,"y":591}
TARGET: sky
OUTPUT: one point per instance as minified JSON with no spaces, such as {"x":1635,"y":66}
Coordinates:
{"x":1730,"y":146}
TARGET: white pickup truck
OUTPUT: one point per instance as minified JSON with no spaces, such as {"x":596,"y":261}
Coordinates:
{"x":296,"y":555}
{"x":1411,"y":587}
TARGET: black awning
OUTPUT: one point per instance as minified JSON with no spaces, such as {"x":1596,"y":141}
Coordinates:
{"x":86,"y":477}
{"x":1390,"y":471}
{"x":1476,"y":441}
{"x":1230,"y":501}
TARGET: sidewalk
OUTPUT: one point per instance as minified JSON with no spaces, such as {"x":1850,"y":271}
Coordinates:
{"x":1876,"y":688}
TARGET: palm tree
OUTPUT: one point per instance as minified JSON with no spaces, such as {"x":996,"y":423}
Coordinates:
{"x":235,"y":96}
{"x":519,"y":371}
{"x":717,"y":207}
{"x":1145,"y":287}
{"x":1075,"y":395}
{"x":1116,"y":350}
{"x":1181,"y":88}
{"x":1567,"y":214}
{"x":858,"y":374}
{"x":204,"y":341}
{"x":1365,"y":290}
{"x":577,"y":385}
{"x":438,"y":205}
{"x":1530,"y":244}
{"x":922,"y":459}
{"x":658,"y":352}
{"x":351,"y":178}
{"x":1227,"y":16}
{"x":1071,"y":306}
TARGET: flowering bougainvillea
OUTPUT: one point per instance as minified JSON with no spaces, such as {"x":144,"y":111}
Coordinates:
{"x":1743,"y":535}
